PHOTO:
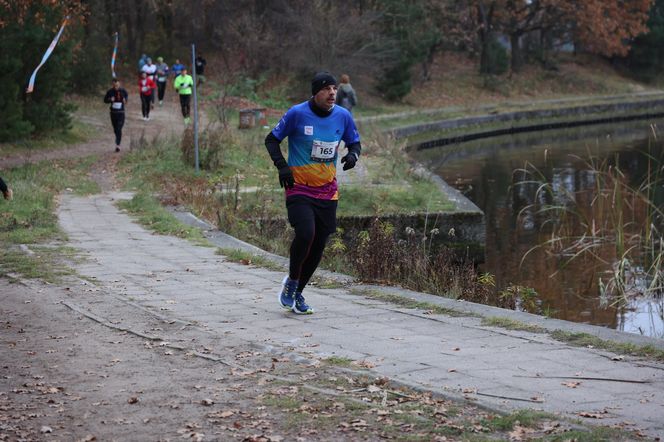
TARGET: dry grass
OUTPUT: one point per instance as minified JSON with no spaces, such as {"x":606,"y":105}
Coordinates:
{"x":456,"y":82}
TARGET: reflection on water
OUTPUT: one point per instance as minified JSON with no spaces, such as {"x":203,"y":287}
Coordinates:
{"x":490,"y":173}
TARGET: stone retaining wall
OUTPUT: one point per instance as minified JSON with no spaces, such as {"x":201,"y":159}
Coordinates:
{"x":513,"y":122}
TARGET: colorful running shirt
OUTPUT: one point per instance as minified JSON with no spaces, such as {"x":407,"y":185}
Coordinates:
{"x":313,"y":144}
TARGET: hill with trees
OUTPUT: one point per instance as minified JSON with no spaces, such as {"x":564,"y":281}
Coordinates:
{"x":387,"y":46}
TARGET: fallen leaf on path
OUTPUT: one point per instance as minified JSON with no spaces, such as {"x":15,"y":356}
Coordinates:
{"x":133,"y":400}
{"x":451,"y":370}
{"x":600,"y":415}
{"x":207,"y":402}
{"x":45,"y":429}
{"x":520,"y":433}
{"x":364,"y":364}
{"x":618,"y":358}
{"x":221,"y":414}
{"x":396,"y":338}
{"x":571,"y":384}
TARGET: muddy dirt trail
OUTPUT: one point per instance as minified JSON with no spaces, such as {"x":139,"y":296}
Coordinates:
{"x":164,"y":121}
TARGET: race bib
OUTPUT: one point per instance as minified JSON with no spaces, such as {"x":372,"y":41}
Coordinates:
{"x":161,"y":79}
{"x":144,"y":88}
{"x":322,"y":151}
{"x":117,"y":105}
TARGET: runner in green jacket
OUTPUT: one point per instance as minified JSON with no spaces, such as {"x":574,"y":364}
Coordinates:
{"x":184,"y":86}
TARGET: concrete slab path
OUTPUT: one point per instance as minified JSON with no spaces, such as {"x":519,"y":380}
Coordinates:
{"x":456,"y":356}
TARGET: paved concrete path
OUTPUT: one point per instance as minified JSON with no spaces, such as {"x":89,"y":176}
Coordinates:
{"x":454,"y":355}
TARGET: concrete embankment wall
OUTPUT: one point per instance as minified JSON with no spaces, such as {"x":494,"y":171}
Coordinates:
{"x":469,"y":221}
{"x":530,"y":121}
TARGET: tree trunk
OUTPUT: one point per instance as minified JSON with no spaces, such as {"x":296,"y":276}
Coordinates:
{"x":517,"y":53}
{"x":129,"y":24}
{"x":485,"y":36}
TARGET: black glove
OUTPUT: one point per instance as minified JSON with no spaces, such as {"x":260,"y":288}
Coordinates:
{"x":349,"y":160}
{"x":286,"y":177}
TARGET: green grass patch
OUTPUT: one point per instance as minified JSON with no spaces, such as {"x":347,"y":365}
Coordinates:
{"x":588,"y":340}
{"x":45,"y":263}
{"x":282,"y":402}
{"x":528,"y":418}
{"x":511,"y":324}
{"x":414,"y":197}
{"x":153,"y":215}
{"x":247,"y":258}
{"x":30,"y":217}
{"x":404,"y":301}
{"x":339,"y":361}
{"x":78,"y":133}
{"x":597,"y":434}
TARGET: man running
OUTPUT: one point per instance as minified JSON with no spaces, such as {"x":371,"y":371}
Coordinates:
{"x":183,"y":85}
{"x":146,"y":88}
{"x":162,"y":78}
{"x":314,"y":129}
{"x":117,"y":97}
{"x":6,"y":191}
{"x":177,"y":67}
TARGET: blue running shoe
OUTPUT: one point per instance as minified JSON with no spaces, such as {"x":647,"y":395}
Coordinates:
{"x":287,"y":293}
{"x":300,"y":306}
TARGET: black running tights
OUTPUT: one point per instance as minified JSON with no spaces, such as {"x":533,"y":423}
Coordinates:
{"x":184,"y":105}
{"x":313,"y":224}
{"x":146,"y":101}
{"x":117,"y":120}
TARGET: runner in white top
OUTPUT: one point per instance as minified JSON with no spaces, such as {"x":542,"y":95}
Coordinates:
{"x":151,"y":69}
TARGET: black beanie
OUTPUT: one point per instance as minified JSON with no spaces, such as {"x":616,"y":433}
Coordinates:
{"x":322,"y":80}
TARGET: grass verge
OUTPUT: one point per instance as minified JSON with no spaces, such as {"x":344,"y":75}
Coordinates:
{"x":78,"y":133}
{"x":153,"y":215}
{"x":587,"y":340}
{"x":246,"y":258}
{"x":511,"y":324}
{"x":361,"y":407}
{"x":30,"y":217}
{"x":409,"y":303}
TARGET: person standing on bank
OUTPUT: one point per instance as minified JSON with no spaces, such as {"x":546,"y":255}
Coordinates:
{"x":117,"y":97}
{"x":146,"y":88}
{"x":183,"y":85}
{"x":346,"y":94}
{"x":162,"y":79}
{"x":200,"y":69}
{"x":314,"y":129}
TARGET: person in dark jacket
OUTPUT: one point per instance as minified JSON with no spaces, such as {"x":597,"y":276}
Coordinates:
{"x":199,"y":65}
{"x":346,"y":97}
{"x":6,"y":191}
{"x":117,"y":97}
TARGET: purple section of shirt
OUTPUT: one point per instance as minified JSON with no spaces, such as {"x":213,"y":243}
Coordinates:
{"x":325,"y":192}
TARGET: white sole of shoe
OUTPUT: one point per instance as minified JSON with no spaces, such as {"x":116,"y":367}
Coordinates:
{"x":283,"y":285}
{"x":297,"y":312}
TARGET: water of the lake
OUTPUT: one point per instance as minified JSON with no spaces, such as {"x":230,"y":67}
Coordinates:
{"x":486,"y":171}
